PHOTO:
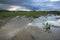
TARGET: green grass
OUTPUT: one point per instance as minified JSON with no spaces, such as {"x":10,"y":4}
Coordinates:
{"x":29,"y":14}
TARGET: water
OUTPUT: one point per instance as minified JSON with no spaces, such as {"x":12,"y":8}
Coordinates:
{"x":24,"y":28}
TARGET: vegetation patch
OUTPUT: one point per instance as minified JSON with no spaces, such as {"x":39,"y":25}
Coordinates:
{"x":29,"y":13}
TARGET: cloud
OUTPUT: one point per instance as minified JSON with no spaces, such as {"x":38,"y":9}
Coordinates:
{"x":13,"y":8}
{"x":54,"y":0}
{"x":19,"y":5}
{"x":49,"y":6}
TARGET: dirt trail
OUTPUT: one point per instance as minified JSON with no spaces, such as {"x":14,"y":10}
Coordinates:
{"x":18,"y":29}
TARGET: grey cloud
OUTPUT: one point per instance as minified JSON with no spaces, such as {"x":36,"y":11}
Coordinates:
{"x":33,"y":4}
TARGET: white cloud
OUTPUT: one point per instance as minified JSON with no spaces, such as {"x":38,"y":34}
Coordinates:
{"x":39,"y":0}
{"x":54,"y":0}
{"x":45,"y":0}
{"x":17,"y":8}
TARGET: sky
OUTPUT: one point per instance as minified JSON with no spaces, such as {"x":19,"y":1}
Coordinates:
{"x":30,"y":5}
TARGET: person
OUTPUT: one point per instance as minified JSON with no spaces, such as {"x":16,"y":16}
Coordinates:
{"x":47,"y":28}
